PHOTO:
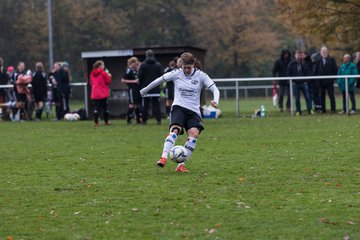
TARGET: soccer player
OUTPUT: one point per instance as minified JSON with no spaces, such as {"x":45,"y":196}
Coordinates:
{"x":185,"y":110}
{"x":131,"y":79}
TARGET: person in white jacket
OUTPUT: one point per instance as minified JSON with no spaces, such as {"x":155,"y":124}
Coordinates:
{"x":185,"y":110}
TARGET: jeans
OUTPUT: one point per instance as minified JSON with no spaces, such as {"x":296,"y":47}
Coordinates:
{"x":352,"y":100}
{"x":304,"y":88}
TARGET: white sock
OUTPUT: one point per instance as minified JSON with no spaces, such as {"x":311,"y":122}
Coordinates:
{"x":190,"y":146}
{"x":169,"y":143}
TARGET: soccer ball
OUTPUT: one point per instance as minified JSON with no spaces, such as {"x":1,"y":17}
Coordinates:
{"x":71,"y":117}
{"x":178,"y":154}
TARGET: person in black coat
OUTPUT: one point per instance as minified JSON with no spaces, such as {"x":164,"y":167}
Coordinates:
{"x":314,"y":87}
{"x":280,"y":70}
{"x":150,"y":70}
{"x":39,"y":89}
{"x":62,"y":81}
{"x":298,"y":68}
{"x":326,"y":66}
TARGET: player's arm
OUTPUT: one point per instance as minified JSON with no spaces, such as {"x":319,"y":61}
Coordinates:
{"x":216,"y":95}
{"x":166,"y":77}
{"x":212,"y":87}
{"x":152,"y":85}
{"x":129,"y":81}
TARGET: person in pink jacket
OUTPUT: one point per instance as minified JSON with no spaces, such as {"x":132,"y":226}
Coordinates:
{"x":100,"y":81}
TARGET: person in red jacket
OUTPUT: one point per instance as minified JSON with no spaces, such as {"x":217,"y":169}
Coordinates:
{"x":100,"y":81}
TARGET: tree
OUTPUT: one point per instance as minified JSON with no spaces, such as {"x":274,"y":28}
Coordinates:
{"x":237,"y":34}
{"x":333,"y":22}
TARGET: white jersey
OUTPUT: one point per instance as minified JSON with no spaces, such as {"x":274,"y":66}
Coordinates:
{"x":187,"y":89}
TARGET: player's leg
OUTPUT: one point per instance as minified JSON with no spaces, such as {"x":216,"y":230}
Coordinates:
{"x":194,"y":126}
{"x":177,"y":118}
{"x":131,"y":106}
{"x":193,"y":134}
{"x":169,"y":143}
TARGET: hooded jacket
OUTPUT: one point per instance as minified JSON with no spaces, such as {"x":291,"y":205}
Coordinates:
{"x":347,"y":69}
{"x":280,"y":66}
{"x":148,"y":72}
{"x":99,"y":81}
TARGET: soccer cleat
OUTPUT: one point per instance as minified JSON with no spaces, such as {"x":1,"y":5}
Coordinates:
{"x":107,"y":124}
{"x":161,"y":162}
{"x":181,"y":168}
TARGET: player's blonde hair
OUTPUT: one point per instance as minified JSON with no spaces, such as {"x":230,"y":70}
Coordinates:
{"x":132,"y":60}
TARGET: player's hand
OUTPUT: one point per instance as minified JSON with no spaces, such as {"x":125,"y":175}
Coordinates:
{"x":213,"y":104}
{"x":142,"y":92}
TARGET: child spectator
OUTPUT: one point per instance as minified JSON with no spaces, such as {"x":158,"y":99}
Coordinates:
{"x":100,"y":81}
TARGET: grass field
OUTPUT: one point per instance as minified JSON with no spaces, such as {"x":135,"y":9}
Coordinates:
{"x":272,"y":178}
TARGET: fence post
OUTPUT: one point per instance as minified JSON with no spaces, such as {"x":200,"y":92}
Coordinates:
{"x":291,"y":97}
{"x":86,"y":100}
{"x":237,"y":98}
{"x":346,"y":96}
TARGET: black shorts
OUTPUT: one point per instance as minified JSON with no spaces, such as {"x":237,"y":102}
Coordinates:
{"x":185,"y":118}
{"x":134,"y":96}
{"x":169,"y":91}
{"x":21,"y":97}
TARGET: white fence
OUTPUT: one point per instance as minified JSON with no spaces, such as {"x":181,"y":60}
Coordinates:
{"x":237,"y":87}
{"x":290,"y":79}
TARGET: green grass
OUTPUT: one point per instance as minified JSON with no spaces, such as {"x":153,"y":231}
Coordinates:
{"x":271,"y":178}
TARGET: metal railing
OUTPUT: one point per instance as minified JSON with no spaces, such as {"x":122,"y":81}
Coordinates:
{"x":291,"y":80}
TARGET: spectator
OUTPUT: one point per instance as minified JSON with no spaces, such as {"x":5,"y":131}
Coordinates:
{"x":280,"y":70}
{"x":299,"y":68}
{"x":100,"y":81}
{"x":326,"y":66}
{"x":3,"y":81}
{"x":348,"y":68}
{"x":131,"y":79}
{"x":64,"y":89}
{"x":148,"y":72}
{"x":39,"y":88}
{"x":314,"y":88}
{"x":53,"y":77}
{"x":357,"y":62}
{"x":169,"y":87}
{"x":21,"y":79}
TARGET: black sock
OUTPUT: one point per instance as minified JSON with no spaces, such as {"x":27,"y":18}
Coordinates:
{"x":138,"y":115}
{"x":130,"y":114}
